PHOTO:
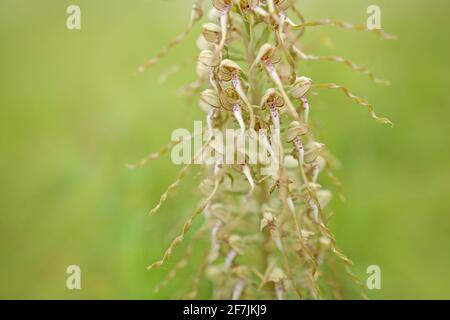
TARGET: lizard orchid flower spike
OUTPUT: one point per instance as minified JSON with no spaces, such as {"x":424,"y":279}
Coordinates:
{"x":272,"y":241}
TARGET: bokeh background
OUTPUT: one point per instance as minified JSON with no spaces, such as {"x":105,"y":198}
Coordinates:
{"x":73,"y":113}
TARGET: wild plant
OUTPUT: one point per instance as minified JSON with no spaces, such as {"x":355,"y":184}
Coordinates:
{"x":268,"y":233}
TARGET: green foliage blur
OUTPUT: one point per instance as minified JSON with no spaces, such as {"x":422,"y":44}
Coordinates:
{"x":73,"y":114}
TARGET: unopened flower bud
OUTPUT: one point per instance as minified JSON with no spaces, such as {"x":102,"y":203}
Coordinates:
{"x":282,"y":5}
{"x":228,"y":69}
{"x":295,"y":130}
{"x":209,"y":99}
{"x":222,"y":5}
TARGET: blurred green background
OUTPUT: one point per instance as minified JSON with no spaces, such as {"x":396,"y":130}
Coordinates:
{"x":73,"y":113}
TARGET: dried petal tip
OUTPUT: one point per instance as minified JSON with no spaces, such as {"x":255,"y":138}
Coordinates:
{"x":300,"y":87}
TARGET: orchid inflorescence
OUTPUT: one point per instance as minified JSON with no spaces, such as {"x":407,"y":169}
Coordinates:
{"x":268,"y":234}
